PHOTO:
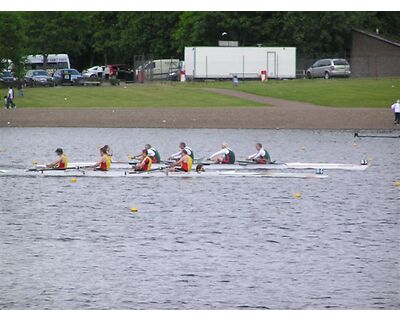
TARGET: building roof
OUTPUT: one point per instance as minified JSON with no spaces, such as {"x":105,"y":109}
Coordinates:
{"x":378,"y":37}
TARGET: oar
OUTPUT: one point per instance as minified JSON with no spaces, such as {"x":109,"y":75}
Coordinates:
{"x":246,"y":162}
{"x":151,"y":170}
{"x":373,"y":136}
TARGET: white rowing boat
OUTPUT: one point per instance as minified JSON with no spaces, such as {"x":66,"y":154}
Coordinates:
{"x":240,"y":166}
{"x":157,"y":173}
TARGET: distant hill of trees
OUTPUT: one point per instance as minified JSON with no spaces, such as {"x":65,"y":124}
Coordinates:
{"x":115,"y":37}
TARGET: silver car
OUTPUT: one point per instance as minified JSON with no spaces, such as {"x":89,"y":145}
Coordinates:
{"x":38,"y":78}
{"x":328,"y":68}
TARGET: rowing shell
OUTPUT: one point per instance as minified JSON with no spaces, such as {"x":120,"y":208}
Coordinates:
{"x":126,"y":174}
{"x":244,"y":166}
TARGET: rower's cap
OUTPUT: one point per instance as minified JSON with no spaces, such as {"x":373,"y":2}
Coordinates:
{"x":59,"y":151}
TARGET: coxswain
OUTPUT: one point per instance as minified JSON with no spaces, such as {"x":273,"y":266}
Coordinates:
{"x":183,"y":164}
{"x":61,"y":162}
{"x":104,"y":162}
{"x":145,"y":162}
{"x":178,"y":155}
{"x":223,"y":156}
{"x":261,"y":156}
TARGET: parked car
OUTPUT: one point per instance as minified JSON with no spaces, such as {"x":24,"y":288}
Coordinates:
{"x":38,"y":78}
{"x":67,"y":76}
{"x":7,"y":77}
{"x":96,"y":71}
{"x":328,"y":68}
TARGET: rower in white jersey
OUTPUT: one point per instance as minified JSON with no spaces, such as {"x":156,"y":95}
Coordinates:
{"x":223,"y":156}
{"x":261,"y":156}
{"x":178,"y":155}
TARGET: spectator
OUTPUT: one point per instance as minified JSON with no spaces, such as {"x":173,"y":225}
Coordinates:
{"x":10,"y":98}
{"x":19,"y":86}
{"x":396,"y":111}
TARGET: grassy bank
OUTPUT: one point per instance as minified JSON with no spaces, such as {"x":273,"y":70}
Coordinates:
{"x":374,"y":93}
{"x":157,"y":95}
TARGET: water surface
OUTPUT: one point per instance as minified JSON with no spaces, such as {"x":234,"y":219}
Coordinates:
{"x":218,"y":243}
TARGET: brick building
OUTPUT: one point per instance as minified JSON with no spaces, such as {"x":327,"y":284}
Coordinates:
{"x":373,"y":55}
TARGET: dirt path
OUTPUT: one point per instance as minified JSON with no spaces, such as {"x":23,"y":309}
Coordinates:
{"x":279,"y":114}
{"x":264,"y":100}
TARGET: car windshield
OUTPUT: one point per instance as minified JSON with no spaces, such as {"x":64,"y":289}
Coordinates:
{"x":40,"y":73}
{"x":340,"y":62}
{"x":73,"y":71}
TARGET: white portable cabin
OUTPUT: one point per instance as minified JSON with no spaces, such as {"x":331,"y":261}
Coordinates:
{"x":244,"y":62}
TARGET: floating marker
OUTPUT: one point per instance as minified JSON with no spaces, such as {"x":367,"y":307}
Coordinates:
{"x":397,"y":183}
{"x":297,"y":195}
{"x":73,"y":179}
{"x":133,"y":209}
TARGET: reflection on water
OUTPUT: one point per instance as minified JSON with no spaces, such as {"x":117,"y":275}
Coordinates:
{"x":220,"y":243}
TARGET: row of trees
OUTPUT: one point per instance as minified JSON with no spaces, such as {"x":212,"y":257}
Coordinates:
{"x":115,"y":37}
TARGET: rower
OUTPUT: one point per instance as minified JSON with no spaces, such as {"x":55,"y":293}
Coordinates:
{"x":108,"y":151}
{"x":145,"y":162}
{"x":104,"y":162}
{"x":151,"y":152}
{"x":183,"y":164}
{"x":61,"y":162}
{"x":223,"y":156}
{"x":179,"y":154}
{"x":261,"y":156}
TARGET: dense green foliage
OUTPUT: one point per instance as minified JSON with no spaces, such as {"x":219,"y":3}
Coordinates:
{"x":116,"y":37}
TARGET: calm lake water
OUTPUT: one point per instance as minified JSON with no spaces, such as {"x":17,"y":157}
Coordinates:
{"x":218,"y":243}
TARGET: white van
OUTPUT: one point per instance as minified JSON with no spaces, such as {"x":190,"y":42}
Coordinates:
{"x":54,"y":62}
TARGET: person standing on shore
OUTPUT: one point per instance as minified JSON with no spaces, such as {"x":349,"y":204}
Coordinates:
{"x":396,"y":110}
{"x":10,"y":98}
{"x":20,"y":86}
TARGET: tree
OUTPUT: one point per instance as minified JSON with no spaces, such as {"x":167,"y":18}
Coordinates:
{"x":55,"y":32}
{"x":12,"y":41}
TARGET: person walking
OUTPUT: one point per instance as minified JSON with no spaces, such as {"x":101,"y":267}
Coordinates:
{"x":10,"y":98}
{"x":396,"y":110}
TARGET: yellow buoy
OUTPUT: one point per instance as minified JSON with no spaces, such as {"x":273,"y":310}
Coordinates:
{"x":133,"y":209}
{"x":74,"y":179}
{"x":397,"y":183}
{"x":297,"y":195}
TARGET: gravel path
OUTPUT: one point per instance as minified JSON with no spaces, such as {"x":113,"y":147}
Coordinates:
{"x":278,"y":114}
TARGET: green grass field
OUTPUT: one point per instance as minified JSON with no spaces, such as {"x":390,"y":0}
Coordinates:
{"x":374,"y":93}
{"x":157,"y":95}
